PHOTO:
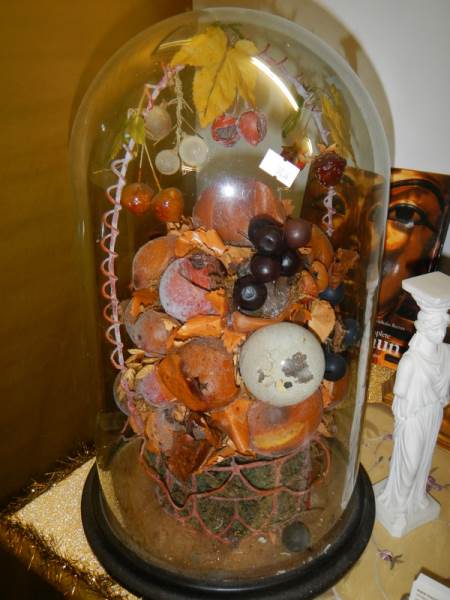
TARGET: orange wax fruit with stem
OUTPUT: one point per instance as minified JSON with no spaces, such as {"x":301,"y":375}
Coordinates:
{"x":168,"y":205}
{"x":137,"y":198}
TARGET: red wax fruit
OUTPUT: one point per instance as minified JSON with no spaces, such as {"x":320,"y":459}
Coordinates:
{"x":228,"y":205}
{"x":253,"y":126}
{"x":150,"y":330}
{"x":168,"y":205}
{"x":224,"y":130}
{"x":180,"y":296}
{"x":137,"y":198}
{"x":277,"y":430}
{"x":152,"y":390}
{"x":151,"y":260}
{"x":203,"y":270}
{"x":328,"y":168}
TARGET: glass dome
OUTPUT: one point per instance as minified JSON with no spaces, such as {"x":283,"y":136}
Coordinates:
{"x":231,"y":173}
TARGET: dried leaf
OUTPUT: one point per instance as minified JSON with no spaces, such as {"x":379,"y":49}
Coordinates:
{"x":322,"y":319}
{"x":333,"y":113}
{"x":137,"y":353}
{"x":244,"y":324}
{"x":219,"y":300}
{"x":142,"y":297}
{"x":220,"y":455}
{"x":288,"y":206}
{"x":343,"y":261}
{"x":222,"y":72}
{"x":183,"y":246}
{"x":187,"y":455}
{"x":200,"y":326}
{"x":145,"y":371}
{"x":307,"y":285}
{"x":233,"y":421}
{"x":235,"y":255}
{"x":208,"y":241}
{"x":214,"y":242}
{"x":232,"y":339}
{"x":299,"y":313}
{"x":171,"y":375}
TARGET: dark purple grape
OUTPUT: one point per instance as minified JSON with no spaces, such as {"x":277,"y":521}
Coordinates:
{"x":265,"y":268}
{"x":258,"y":222}
{"x":352,"y":332}
{"x":248,"y":293}
{"x":333,"y":295}
{"x":296,"y":537}
{"x":297,"y":233}
{"x":290,"y":262}
{"x":335,"y":366}
{"x":269,"y":241}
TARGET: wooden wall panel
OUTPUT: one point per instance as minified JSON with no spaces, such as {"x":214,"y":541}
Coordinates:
{"x":49,"y":52}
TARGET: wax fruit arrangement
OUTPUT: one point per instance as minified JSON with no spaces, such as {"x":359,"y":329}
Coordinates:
{"x":236,"y":349}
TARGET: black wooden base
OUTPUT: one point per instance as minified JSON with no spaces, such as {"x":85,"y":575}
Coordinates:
{"x":351,"y":537}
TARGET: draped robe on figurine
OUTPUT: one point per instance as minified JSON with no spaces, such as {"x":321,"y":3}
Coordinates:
{"x":420,"y":394}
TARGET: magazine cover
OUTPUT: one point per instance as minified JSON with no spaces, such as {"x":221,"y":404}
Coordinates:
{"x":417,"y":224}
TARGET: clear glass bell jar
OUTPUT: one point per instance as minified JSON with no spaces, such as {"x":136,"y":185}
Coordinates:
{"x":231,"y":174}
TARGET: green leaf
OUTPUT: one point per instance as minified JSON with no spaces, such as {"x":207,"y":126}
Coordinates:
{"x":293,"y":118}
{"x":134,"y":128}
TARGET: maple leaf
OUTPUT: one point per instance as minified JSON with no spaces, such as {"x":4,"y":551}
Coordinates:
{"x":222,"y":72}
{"x":333,"y":112}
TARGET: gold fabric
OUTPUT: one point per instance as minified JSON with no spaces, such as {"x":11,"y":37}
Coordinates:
{"x":51,"y":50}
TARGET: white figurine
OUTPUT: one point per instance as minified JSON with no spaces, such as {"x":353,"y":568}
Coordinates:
{"x":421,"y":391}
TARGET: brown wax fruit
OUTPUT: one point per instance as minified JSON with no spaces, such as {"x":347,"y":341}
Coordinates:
{"x":150,"y":330}
{"x":151,"y":260}
{"x":200,"y":374}
{"x":209,"y":369}
{"x":228,"y":206}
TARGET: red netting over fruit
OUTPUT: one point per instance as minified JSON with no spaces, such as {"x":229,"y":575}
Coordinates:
{"x":241,"y":497}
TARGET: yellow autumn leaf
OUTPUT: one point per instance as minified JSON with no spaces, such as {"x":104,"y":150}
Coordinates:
{"x":203,"y":50}
{"x":222,"y":72}
{"x":214,"y":89}
{"x":240,"y":57}
{"x":333,"y":112}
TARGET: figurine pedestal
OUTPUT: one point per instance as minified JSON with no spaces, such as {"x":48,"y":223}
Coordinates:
{"x":400,"y":525}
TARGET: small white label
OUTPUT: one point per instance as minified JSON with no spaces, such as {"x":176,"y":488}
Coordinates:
{"x":274,"y":164}
{"x":426,"y":588}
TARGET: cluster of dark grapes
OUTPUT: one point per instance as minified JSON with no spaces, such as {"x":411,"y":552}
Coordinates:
{"x":276,"y":256}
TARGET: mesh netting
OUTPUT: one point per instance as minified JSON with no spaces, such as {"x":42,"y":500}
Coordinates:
{"x":241,"y":497}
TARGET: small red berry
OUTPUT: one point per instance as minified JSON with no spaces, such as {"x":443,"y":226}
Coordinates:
{"x":224,"y":130}
{"x":137,"y":198}
{"x":253,"y":126}
{"x":328,"y":168}
{"x":168,"y":205}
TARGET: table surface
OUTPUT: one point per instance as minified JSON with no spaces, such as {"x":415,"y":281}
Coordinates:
{"x":55,"y":516}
